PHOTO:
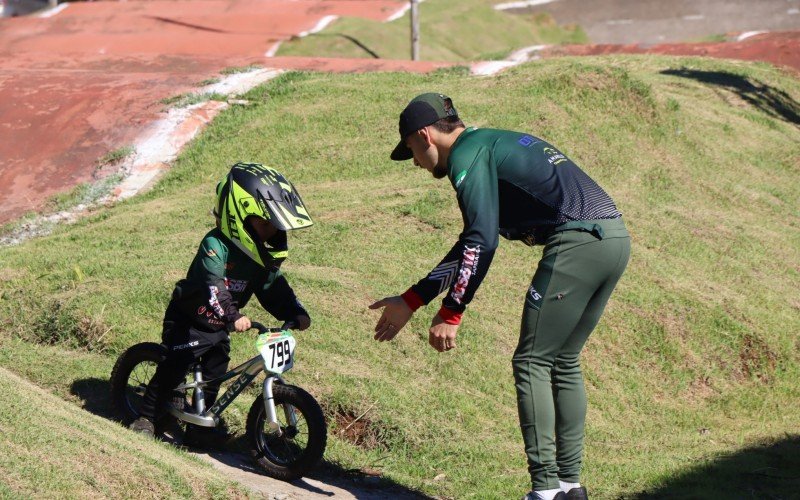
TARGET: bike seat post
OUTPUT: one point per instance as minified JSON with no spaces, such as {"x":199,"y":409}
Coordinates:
{"x":199,"y":396}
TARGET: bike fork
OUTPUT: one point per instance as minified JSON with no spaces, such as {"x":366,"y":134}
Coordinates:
{"x":269,"y":407}
{"x":199,"y":395}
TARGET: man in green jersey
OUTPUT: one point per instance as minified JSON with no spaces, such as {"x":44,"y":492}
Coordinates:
{"x":518,"y":186}
{"x":239,"y":258}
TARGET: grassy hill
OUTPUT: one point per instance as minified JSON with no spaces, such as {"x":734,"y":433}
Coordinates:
{"x":449,"y":30}
{"x":52,"y":449}
{"x":692,"y":374}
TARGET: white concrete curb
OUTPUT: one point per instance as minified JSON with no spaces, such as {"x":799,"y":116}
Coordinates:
{"x":748,"y":34}
{"x":321,"y":25}
{"x":161,"y":143}
{"x":520,"y":5}
{"x":154,"y":150}
{"x":400,"y":13}
{"x":488,"y":68}
{"x":55,"y":10}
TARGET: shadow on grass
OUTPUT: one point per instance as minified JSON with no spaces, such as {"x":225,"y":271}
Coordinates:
{"x":96,"y":396}
{"x":772,"y":101}
{"x":770,"y":471}
{"x":352,"y":40}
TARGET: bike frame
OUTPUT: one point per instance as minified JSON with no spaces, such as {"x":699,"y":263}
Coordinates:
{"x":247,"y":372}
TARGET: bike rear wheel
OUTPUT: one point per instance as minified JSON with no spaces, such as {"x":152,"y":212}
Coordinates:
{"x":300,"y":445}
{"x":132,"y":372}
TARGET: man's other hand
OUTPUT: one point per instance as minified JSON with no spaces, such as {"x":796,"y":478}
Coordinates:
{"x":442,"y":336}
{"x":396,"y":314}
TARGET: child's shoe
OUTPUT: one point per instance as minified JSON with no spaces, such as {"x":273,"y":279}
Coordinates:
{"x":143,"y":425}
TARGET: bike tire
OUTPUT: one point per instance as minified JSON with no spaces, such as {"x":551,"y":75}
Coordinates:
{"x":304,"y":443}
{"x":130,"y":376}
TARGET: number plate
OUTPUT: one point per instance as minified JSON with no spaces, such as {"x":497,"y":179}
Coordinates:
{"x":277,"y":349}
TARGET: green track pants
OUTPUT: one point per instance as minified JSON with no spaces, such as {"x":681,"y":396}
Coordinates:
{"x":579,"y":269}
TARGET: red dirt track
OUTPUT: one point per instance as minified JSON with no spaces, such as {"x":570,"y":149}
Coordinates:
{"x":87,"y":80}
{"x":780,"y":49}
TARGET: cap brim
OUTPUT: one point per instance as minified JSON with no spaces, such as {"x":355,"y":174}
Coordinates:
{"x":401,"y":152}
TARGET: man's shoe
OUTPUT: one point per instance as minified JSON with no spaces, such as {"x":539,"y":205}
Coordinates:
{"x":532,"y":495}
{"x":143,"y":425}
{"x":577,"y":494}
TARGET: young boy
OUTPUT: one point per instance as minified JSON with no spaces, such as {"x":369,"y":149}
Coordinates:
{"x":239,"y":258}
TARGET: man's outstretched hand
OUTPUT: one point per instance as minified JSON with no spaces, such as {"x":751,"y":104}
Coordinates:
{"x":396,"y":314}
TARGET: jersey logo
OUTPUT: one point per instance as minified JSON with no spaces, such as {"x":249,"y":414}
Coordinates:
{"x":468,"y":268}
{"x":527,"y":141}
{"x":235,"y":285}
{"x":554,"y":157}
{"x":460,"y":178}
{"x":445,"y":273}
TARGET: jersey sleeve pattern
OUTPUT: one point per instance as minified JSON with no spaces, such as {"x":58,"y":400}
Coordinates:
{"x":212,"y":259}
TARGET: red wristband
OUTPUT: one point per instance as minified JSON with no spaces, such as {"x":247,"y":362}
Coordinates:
{"x":449,"y":316}
{"x":412,"y":299}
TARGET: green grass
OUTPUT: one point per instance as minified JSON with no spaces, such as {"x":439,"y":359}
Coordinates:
{"x":189,"y":98}
{"x":116,"y":155}
{"x":239,"y":69}
{"x":52,"y":449}
{"x":691,"y":374}
{"x":86,"y":193}
{"x":450,"y":30}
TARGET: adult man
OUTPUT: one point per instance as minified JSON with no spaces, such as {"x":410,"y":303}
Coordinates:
{"x":519,"y":186}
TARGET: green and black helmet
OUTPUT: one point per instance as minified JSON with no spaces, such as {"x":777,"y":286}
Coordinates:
{"x":251,"y":189}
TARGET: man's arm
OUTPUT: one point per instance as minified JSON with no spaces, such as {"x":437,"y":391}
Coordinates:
{"x":462,"y":270}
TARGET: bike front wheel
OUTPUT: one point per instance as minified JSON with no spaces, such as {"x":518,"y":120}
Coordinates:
{"x":300,"y":444}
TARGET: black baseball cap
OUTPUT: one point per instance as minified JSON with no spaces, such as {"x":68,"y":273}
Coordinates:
{"x":421,"y":112}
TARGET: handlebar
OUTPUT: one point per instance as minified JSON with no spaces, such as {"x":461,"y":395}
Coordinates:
{"x":263,"y":329}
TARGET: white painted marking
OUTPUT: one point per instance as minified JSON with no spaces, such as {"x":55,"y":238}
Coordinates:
{"x":792,"y":12}
{"x":273,"y":50}
{"x":694,"y":17}
{"x":526,"y":54}
{"x":487,"y":68}
{"x":400,"y":13}
{"x":615,"y":22}
{"x":748,"y":34}
{"x":55,"y":10}
{"x":239,"y":83}
{"x":321,"y":24}
{"x":161,"y":143}
{"x":521,"y":4}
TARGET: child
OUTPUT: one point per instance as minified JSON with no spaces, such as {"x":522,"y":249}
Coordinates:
{"x":240,"y":258}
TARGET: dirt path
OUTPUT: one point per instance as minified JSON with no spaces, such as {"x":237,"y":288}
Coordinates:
{"x":239,"y":468}
{"x":780,"y":49}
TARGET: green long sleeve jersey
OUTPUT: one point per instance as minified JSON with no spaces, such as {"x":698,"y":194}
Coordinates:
{"x":513,"y":185}
{"x":222,"y":279}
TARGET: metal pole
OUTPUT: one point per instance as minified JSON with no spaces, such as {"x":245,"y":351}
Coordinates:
{"x":415,"y":30}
